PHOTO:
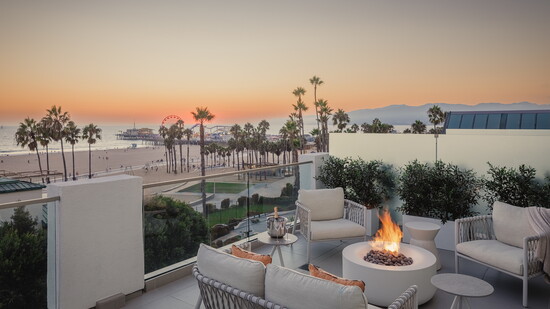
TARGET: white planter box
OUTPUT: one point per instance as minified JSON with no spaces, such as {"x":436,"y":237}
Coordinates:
{"x":445,"y":239}
{"x":372,"y":221}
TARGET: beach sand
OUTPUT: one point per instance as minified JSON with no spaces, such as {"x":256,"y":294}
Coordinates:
{"x":147,"y":162}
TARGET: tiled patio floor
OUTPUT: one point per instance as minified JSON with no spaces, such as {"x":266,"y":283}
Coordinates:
{"x":182,"y":294}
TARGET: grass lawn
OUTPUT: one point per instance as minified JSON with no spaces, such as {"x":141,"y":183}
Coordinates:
{"x":221,"y":187}
{"x":223,"y":216}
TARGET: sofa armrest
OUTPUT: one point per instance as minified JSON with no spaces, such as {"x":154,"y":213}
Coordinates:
{"x":407,"y":300}
{"x":474,"y":228}
{"x":303,"y":214}
{"x":354,"y":212}
{"x":530,"y":245}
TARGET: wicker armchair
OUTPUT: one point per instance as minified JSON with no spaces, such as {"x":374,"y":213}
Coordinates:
{"x":480,"y":230}
{"x":407,"y":300}
{"x":318,"y":225}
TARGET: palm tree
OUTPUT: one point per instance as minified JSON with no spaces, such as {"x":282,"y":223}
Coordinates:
{"x":26,"y":136}
{"x":72,"y":135}
{"x":300,"y":107}
{"x":202,"y":115}
{"x":418,"y":127}
{"x":324,"y":114}
{"x":436,"y":116}
{"x":45,"y":138}
{"x":56,"y":121}
{"x":340,"y":120}
{"x":91,"y":134}
{"x":188,"y":134}
{"x":163,"y":132}
{"x":237,"y":133}
{"x":179,"y":136}
{"x":316,"y":81}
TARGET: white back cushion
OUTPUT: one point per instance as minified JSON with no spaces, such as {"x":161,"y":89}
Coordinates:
{"x":296,"y":290}
{"x":242,"y":274}
{"x":511,"y":224}
{"x":325,"y":204}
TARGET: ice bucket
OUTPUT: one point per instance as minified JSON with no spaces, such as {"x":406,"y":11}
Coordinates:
{"x":276,"y":227}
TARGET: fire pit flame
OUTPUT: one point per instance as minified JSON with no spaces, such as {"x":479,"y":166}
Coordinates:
{"x":388,"y":236}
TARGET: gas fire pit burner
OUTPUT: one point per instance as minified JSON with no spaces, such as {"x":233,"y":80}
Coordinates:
{"x":384,"y":257}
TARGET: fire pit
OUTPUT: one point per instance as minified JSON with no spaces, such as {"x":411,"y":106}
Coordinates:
{"x":384,"y":283}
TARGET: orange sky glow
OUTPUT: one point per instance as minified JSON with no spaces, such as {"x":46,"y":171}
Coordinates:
{"x":139,"y":61}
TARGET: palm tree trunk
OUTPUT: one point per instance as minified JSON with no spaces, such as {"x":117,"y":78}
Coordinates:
{"x":64,"y":162}
{"x":90,"y":161}
{"x":166,"y":157}
{"x":188,"y":155}
{"x":175,"y":156}
{"x":72,"y":150}
{"x":47,"y":165}
{"x":181,"y":159}
{"x":203,"y":173}
{"x":39,"y":163}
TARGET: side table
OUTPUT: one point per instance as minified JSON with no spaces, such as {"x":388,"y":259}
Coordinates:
{"x":286,"y":240}
{"x":462,"y":286}
{"x":423,"y":235}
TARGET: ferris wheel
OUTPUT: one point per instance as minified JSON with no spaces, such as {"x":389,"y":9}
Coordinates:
{"x":170,"y":119}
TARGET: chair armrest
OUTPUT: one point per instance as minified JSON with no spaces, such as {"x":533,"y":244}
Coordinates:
{"x":530,"y":245}
{"x":355,"y":212}
{"x":303,"y":214}
{"x":474,"y":228}
{"x":407,"y":300}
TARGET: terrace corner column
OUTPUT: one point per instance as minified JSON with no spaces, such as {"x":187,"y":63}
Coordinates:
{"x":95,"y":247}
{"x":308,"y":172}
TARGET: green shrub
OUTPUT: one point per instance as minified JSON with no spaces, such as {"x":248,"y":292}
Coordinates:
{"x":225,"y":203}
{"x":287,"y":190}
{"x":242,"y":201}
{"x":517,"y":187}
{"x":368,"y":183}
{"x":442,"y":191}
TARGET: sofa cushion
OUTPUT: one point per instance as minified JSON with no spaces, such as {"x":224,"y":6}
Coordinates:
{"x":323,"y":274}
{"x":336,"y":229}
{"x":296,"y":290}
{"x":243,"y":274}
{"x":325,"y":204}
{"x":494,"y":253}
{"x":238,"y":252}
{"x":511,"y":224}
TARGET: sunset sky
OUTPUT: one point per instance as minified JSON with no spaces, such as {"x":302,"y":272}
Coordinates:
{"x":108,"y":61}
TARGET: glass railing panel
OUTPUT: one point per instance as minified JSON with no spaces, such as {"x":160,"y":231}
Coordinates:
{"x":27,"y":257}
{"x":237,"y":206}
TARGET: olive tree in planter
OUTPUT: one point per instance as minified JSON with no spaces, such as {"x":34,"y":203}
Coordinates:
{"x":442,"y":192}
{"x":367,"y":183}
{"x":516,"y":187}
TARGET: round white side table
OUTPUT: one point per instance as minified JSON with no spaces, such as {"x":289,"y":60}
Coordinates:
{"x":423,"y":235}
{"x":286,"y":240}
{"x":462,"y":286}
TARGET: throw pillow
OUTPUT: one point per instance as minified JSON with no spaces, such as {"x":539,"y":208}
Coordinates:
{"x":319,"y":273}
{"x":238,"y":252}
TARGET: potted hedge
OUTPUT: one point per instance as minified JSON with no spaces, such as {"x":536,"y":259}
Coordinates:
{"x":368,"y":183}
{"x":442,"y":192}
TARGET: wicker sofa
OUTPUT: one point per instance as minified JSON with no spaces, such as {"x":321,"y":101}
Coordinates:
{"x":226,"y":281}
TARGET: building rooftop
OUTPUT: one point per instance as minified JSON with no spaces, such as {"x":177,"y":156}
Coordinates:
{"x":8,"y":185}
{"x":183,"y":293}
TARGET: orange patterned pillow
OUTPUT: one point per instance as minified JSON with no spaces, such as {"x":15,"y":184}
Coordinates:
{"x":238,"y":252}
{"x":319,"y":273}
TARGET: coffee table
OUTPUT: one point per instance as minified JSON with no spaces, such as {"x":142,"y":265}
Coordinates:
{"x":462,"y":286}
{"x":423,"y":235}
{"x":286,"y":240}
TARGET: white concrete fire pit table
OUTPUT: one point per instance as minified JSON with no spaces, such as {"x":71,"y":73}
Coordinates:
{"x":383,"y":284}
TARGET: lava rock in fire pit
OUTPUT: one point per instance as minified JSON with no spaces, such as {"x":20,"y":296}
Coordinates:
{"x":387,"y":258}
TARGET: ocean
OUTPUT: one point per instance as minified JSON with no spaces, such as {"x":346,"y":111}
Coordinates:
{"x":8,"y":146}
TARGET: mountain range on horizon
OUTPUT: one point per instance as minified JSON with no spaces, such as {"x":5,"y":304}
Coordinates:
{"x":406,"y":115}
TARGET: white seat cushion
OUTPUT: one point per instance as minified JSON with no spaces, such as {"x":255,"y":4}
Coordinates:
{"x":511,"y":224}
{"x":243,"y":274}
{"x":325,"y":204}
{"x":494,"y":253}
{"x":336,"y":229}
{"x":296,"y":290}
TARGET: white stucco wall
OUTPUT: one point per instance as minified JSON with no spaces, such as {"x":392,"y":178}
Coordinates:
{"x":99,"y":240}
{"x":465,"y":148}
{"x":308,"y":172}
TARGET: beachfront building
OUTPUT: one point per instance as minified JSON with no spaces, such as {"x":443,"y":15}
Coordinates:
{"x":98,"y":250}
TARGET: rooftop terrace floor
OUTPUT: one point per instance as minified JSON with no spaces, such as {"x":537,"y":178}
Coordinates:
{"x":183,"y":293}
